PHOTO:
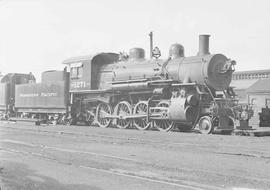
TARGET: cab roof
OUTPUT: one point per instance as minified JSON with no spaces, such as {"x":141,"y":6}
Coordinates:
{"x":110,"y":57}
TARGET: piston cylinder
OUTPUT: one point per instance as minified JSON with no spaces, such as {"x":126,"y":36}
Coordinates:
{"x":181,"y":111}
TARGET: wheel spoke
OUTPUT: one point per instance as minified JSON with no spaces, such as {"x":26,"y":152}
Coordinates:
{"x":123,"y":109}
{"x":141,"y":109}
{"x":103,"y":111}
{"x":164,"y":124}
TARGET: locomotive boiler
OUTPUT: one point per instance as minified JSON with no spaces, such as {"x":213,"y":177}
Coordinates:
{"x":125,"y":91}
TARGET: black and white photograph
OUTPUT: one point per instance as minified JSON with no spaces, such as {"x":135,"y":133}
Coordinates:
{"x":134,"y":95}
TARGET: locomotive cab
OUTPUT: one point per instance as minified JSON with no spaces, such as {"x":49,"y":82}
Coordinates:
{"x":87,"y":73}
{"x":85,"y":70}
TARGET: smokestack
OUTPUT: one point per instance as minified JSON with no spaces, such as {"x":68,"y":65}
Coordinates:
{"x":203,"y":45}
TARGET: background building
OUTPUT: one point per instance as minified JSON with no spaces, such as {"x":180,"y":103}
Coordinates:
{"x":253,"y":87}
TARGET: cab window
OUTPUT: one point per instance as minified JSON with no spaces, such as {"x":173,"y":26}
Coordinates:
{"x":76,"y":70}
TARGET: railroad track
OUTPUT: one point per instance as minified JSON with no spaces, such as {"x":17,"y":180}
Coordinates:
{"x":124,"y":173}
{"x":147,"y":142}
{"x":127,"y":173}
{"x":124,"y":159}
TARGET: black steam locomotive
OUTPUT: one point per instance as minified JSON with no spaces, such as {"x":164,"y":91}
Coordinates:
{"x":129,"y":90}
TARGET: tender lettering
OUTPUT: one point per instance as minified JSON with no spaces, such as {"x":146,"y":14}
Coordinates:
{"x":42,"y":94}
{"x":48,"y":94}
{"x":29,"y":95}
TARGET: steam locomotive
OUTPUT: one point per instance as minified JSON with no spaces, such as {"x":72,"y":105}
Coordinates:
{"x":181,"y":91}
{"x":132,"y":91}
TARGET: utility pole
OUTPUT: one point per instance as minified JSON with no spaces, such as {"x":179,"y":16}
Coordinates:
{"x":151,"y":44}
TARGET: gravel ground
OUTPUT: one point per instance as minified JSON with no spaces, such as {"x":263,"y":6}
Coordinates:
{"x":78,"y":157}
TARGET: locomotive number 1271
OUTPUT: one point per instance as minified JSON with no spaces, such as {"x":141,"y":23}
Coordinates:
{"x":78,"y":84}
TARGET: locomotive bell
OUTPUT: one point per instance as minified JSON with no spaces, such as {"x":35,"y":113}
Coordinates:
{"x":136,"y":53}
{"x":176,"y":50}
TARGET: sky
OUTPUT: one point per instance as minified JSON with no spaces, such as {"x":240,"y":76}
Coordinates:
{"x":38,"y":35}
